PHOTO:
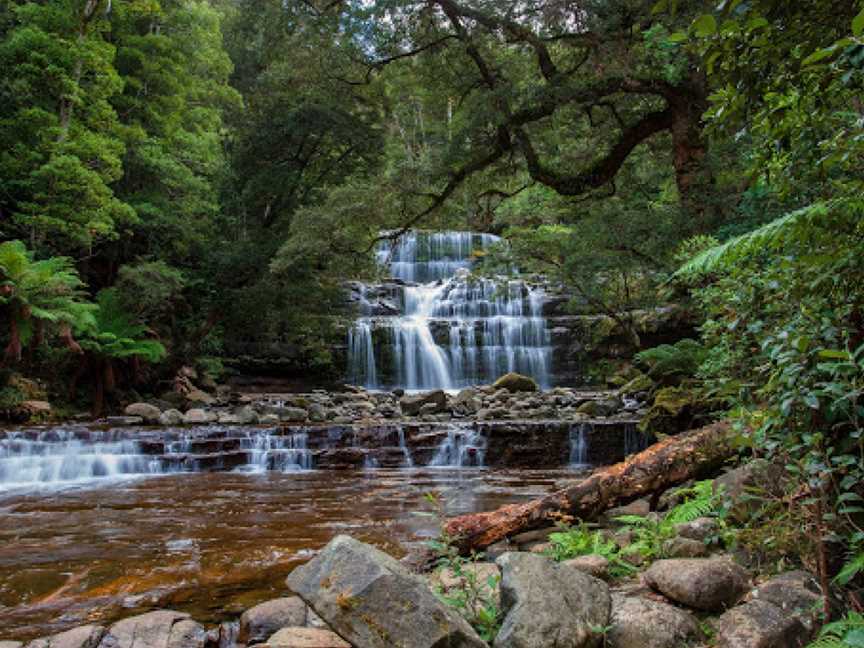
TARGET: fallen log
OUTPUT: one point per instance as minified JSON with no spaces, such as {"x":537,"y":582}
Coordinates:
{"x":668,"y":463}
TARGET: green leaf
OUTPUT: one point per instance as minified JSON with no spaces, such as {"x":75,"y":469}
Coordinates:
{"x":858,"y":24}
{"x":677,"y":37}
{"x":704,"y":25}
{"x":819,"y":55}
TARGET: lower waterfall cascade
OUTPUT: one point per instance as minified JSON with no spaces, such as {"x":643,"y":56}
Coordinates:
{"x":444,"y":328}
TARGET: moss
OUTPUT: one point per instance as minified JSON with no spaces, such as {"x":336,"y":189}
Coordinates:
{"x":639,"y":383}
{"x":670,"y":413}
{"x":673,"y":400}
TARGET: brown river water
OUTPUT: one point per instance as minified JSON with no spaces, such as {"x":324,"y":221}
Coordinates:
{"x":212,"y":544}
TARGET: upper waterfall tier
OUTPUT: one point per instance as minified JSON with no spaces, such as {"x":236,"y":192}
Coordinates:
{"x":447,"y":329}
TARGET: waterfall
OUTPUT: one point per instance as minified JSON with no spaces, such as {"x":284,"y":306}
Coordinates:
{"x":460,"y":448}
{"x":579,"y":445}
{"x":634,"y":440}
{"x":453,"y":330}
{"x":58,"y":457}
{"x":406,"y":452}
{"x":268,"y":451}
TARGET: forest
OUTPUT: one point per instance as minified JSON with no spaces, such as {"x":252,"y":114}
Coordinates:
{"x":197,"y":195}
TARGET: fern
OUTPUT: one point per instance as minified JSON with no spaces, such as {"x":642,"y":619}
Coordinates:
{"x":683,"y":357}
{"x":850,"y":570}
{"x":771,"y":237}
{"x":848,"y":632}
{"x":700,"y":501}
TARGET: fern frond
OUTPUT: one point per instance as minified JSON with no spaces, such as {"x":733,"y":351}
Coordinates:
{"x":850,"y":570}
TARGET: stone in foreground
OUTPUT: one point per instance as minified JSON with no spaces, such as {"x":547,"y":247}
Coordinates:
{"x":796,"y":593}
{"x":262,"y":621}
{"x":759,"y":624}
{"x":549,"y":605}
{"x":160,"y":629}
{"x":11,"y":644}
{"x":305,"y":638}
{"x":591,"y":564}
{"x":150,"y":413}
{"x":515,"y":382}
{"x":83,"y":637}
{"x":711,"y":584}
{"x":373,"y":601}
{"x":642,"y":623}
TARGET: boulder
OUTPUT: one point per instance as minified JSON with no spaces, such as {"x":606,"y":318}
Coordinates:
{"x":171,"y":417}
{"x":292,"y":414}
{"x":515,"y":382}
{"x":593,"y":408}
{"x":411,"y":404}
{"x":711,"y":584}
{"x":759,"y":624}
{"x":36,"y":409}
{"x":640,"y":507}
{"x":150,"y":413}
{"x":467,"y":402}
{"x":83,"y":637}
{"x":260,"y":622}
{"x":699,"y":529}
{"x":492,"y":414}
{"x":549,"y":605}
{"x":642,"y":623}
{"x":197,"y":397}
{"x":373,"y":601}
{"x":124,"y":420}
{"x":592,"y":564}
{"x":317,"y":413}
{"x":160,"y":629}
{"x":684,"y":548}
{"x":199,"y":416}
{"x":796,"y":593}
{"x":739,"y":485}
{"x":11,"y":644}
{"x":305,"y":638}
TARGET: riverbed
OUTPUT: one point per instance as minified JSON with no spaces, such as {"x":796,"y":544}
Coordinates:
{"x":212,"y":544}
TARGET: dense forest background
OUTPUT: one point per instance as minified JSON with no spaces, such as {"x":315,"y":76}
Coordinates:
{"x":191,"y":182}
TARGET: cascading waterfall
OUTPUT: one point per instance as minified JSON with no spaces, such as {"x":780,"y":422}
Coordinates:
{"x":462,"y":447}
{"x":579,"y":445}
{"x":454,"y":330}
{"x":268,"y":451}
{"x":58,"y":457}
{"x":406,"y":452}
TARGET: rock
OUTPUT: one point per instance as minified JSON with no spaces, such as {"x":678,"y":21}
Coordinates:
{"x":642,"y":623}
{"x":292,"y":414}
{"x":710,"y":584}
{"x":228,"y":418}
{"x":640,"y":507}
{"x":11,"y":644}
{"x":259,"y":622}
{"x":759,"y":624}
{"x":124,"y":420}
{"x":592,"y":564}
{"x":187,"y":634}
{"x":271,"y":419}
{"x":317,"y":413}
{"x":171,"y":417}
{"x":549,"y":605}
{"x":373,"y":601}
{"x":161,"y":629}
{"x":796,"y":593}
{"x":199,"y":416}
{"x":594,"y":408}
{"x":466,"y":402}
{"x":492,"y":414}
{"x":637,"y":384}
{"x":535,"y":535}
{"x":699,"y":529}
{"x":684,"y":548}
{"x":150,"y":413}
{"x":411,"y":404}
{"x":515,"y":382}
{"x":306,"y":638}
{"x":198,"y":397}
{"x":737,"y":485}
{"x":83,"y":637}
{"x":246,"y":415}
{"x":37,"y":409}
{"x":484,"y":573}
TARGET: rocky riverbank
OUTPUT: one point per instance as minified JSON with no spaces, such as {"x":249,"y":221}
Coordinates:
{"x":697,"y":590}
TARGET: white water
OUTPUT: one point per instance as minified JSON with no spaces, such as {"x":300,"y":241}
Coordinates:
{"x":579,"y":445}
{"x":268,"y":451}
{"x":59,"y":457}
{"x":461,"y":448}
{"x":406,"y":452}
{"x":454,"y":330}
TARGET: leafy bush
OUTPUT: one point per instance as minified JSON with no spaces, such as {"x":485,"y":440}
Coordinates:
{"x":572,"y":542}
{"x":667,"y":360}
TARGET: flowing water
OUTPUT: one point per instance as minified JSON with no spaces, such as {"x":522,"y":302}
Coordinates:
{"x":211,"y":544}
{"x":451,"y":329}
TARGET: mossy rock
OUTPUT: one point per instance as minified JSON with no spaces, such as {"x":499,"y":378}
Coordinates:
{"x":623,"y":376}
{"x":671,"y":412}
{"x":515,"y":382}
{"x":673,"y":400}
{"x":639,"y":383}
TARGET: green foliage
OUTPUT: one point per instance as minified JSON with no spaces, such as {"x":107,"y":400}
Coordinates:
{"x":115,"y":335}
{"x":680,"y":359}
{"x":572,"y":542}
{"x":847,"y":632}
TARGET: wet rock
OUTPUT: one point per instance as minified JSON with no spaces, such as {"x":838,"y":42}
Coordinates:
{"x":259,"y":622}
{"x":228,"y":418}
{"x":246,"y":415}
{"x":150,"y":413}
{"x":199,"y":416}
{"x":84,"y":637}
{"x":124,"y":420}
{"x":642,"y":623}
{"x":270,"y":419}
{"x":373,"y":601}
{"x":515,"y":382}
{"x":710,"y":584}
{"x":796,"y":593}
{"x":197,"y":397}
{"x":291,"y":414}
{"x":412,"y":404}
{"x":171,"y":417}
{"x":187,"y":634}
{"x":466,"y":402}
{"x":305,"y":638}
{"x":605,"y":407}
{"x":36,"y":409}
{"x":492,"y":414}
{"x":161,"y":629}
{"x":11,"y":644}
{"x":592,"y":564}
{"x":699,"y":529}
{"x":317,"y":413}
{"x":759,"y":624}
{"x":684,"y":548}
{"x":549,"y":605}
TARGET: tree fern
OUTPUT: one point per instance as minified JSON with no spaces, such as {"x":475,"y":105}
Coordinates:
{"x":772,"y":237}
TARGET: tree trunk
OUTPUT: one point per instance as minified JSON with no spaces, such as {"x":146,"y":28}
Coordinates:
{"x":668,"y":463}
{"x":13,"y":349}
